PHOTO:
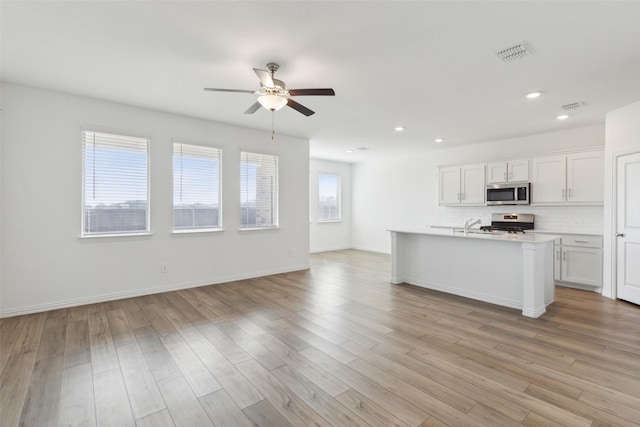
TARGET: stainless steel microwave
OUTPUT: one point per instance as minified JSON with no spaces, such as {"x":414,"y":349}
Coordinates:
{"x":513,"y":193}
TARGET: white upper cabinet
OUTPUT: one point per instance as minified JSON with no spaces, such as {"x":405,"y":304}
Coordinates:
{"x":462,"y":185}
{"x":585,"y":177}
{"x":511,"y":171}
{"x":568,"y":179}
{"x":472,"y":184}
{"x":450,"y":186}
{"x":548,"y":179}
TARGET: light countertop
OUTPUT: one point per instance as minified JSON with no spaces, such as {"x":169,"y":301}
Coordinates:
{"x":479,"y":235}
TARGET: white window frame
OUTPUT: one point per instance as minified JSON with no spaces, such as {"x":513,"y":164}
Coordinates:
{"x":338,"y":196}
{"x":214,"y":153}
{"x":275,"y":190}
{"x":107,"y":134}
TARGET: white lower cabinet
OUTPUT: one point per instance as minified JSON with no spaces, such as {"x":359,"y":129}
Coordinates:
{"x":578,"y":261}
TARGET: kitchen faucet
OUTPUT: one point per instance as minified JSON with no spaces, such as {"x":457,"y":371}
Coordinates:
{"x":470,"y":223}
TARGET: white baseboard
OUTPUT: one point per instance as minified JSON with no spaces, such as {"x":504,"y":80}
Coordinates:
{"x":142,"y":292}
{"x":316,"y":251}
{"x":376,"y":250}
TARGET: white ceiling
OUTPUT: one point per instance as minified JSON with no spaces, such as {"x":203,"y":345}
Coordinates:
{"x":428,"y":66}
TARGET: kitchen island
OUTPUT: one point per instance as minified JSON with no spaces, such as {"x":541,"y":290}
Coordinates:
{"x":512,"y":270}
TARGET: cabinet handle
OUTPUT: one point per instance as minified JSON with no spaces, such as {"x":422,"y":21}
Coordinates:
{"x":558,"y":255}
{"x":569,"y":193}
{"x":458,"y":196}
{"x":462,"y":195}
{"x":581,"y":241}
{"x":563,"y":193}
{"x":564,"y":255}
{"x":505,"y":176}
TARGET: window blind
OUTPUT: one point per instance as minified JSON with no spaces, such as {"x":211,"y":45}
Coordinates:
{"x":115,"y":184}
{"x":258,"y":190}
{"x":329,"y":197}
{"x":196,"y":187}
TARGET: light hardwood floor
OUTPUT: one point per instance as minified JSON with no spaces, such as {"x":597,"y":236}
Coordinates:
{"x":333,"y":346}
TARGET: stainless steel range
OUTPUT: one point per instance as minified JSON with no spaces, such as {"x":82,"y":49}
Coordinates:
{"x":510,"y":222}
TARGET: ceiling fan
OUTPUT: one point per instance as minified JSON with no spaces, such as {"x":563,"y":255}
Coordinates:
{"x":274,"y":94}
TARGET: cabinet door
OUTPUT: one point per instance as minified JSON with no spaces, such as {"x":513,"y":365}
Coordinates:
{"x":585,"y":178}
{"x":557,"y":264}
{"x":449,"y":186}
{"x":518,"y":171}
{"x":548,"y":179}
{"x":582,"y":265}
{"x":496,"y":172}
{"x":472,"y":184}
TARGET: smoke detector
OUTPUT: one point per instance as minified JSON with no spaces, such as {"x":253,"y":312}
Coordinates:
{"x":572,"y":106}
{"x":515,"y":52}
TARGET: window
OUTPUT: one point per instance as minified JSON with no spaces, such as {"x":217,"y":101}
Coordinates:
{"x":258,"y":190}
{"x":196,"y":187}
{"x":328,"y":197}
{"x":115,"y":184}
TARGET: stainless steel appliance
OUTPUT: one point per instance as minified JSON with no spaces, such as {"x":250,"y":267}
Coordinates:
{"x":513,"y":193}
{"x":510,"y":222}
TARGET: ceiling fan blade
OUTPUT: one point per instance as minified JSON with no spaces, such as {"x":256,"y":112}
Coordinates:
{"x":229,"y":90}
{"x":299,"y":107}
{"x":265,"y":77}
{"x":255,"y":107}
{"x":310,"y":92}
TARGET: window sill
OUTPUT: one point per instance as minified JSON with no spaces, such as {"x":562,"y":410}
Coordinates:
{"x":113,"y":237}
{"x":259,"y":229}
{"x":329,"y":221}
{"x":196,"y":231}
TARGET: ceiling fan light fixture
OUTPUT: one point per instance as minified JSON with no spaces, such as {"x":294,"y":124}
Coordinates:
{"x":272,"y":102}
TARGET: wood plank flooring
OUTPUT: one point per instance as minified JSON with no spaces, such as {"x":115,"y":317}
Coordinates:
{"x":336,"y":345}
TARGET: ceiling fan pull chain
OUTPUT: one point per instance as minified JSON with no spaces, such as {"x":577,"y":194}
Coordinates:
{"x":273,"y":125}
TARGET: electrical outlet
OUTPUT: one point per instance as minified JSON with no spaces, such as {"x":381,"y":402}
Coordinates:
{"x":163,"y":268}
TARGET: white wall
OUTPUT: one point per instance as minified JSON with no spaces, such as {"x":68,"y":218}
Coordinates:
{"x":330,"y":236}
{"x":403,"y":191}
{"x":622,"y":137}
{"x":45,"y":264}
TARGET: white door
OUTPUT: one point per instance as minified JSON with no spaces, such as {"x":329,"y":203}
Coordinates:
{"x":628,"y":228}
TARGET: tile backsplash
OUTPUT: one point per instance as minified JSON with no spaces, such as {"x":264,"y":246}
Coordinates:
{"x":570,"y":219}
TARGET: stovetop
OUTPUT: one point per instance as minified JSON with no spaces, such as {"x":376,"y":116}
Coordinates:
{"x":509,"y":222}
{"x":511,"y":229}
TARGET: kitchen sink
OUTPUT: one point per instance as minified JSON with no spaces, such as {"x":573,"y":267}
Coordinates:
{"x":461,"y":230}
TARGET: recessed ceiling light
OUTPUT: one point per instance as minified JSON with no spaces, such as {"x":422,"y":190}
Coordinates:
{"x":349,"y":150}
{"x":563,"y":117}
{"x":534,"y":95}
{"x":438,"y":140}
{"x":398,"y":128}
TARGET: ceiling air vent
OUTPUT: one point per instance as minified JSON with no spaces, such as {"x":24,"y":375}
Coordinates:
{"x":515,"y":52}
{"x":572,"y":106}
{"x":362,"y":148}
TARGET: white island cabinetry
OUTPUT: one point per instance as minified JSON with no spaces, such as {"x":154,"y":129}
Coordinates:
{"x":510,"y":270}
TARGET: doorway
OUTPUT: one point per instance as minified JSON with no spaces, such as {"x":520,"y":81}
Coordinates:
{"x":627,"y":240}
